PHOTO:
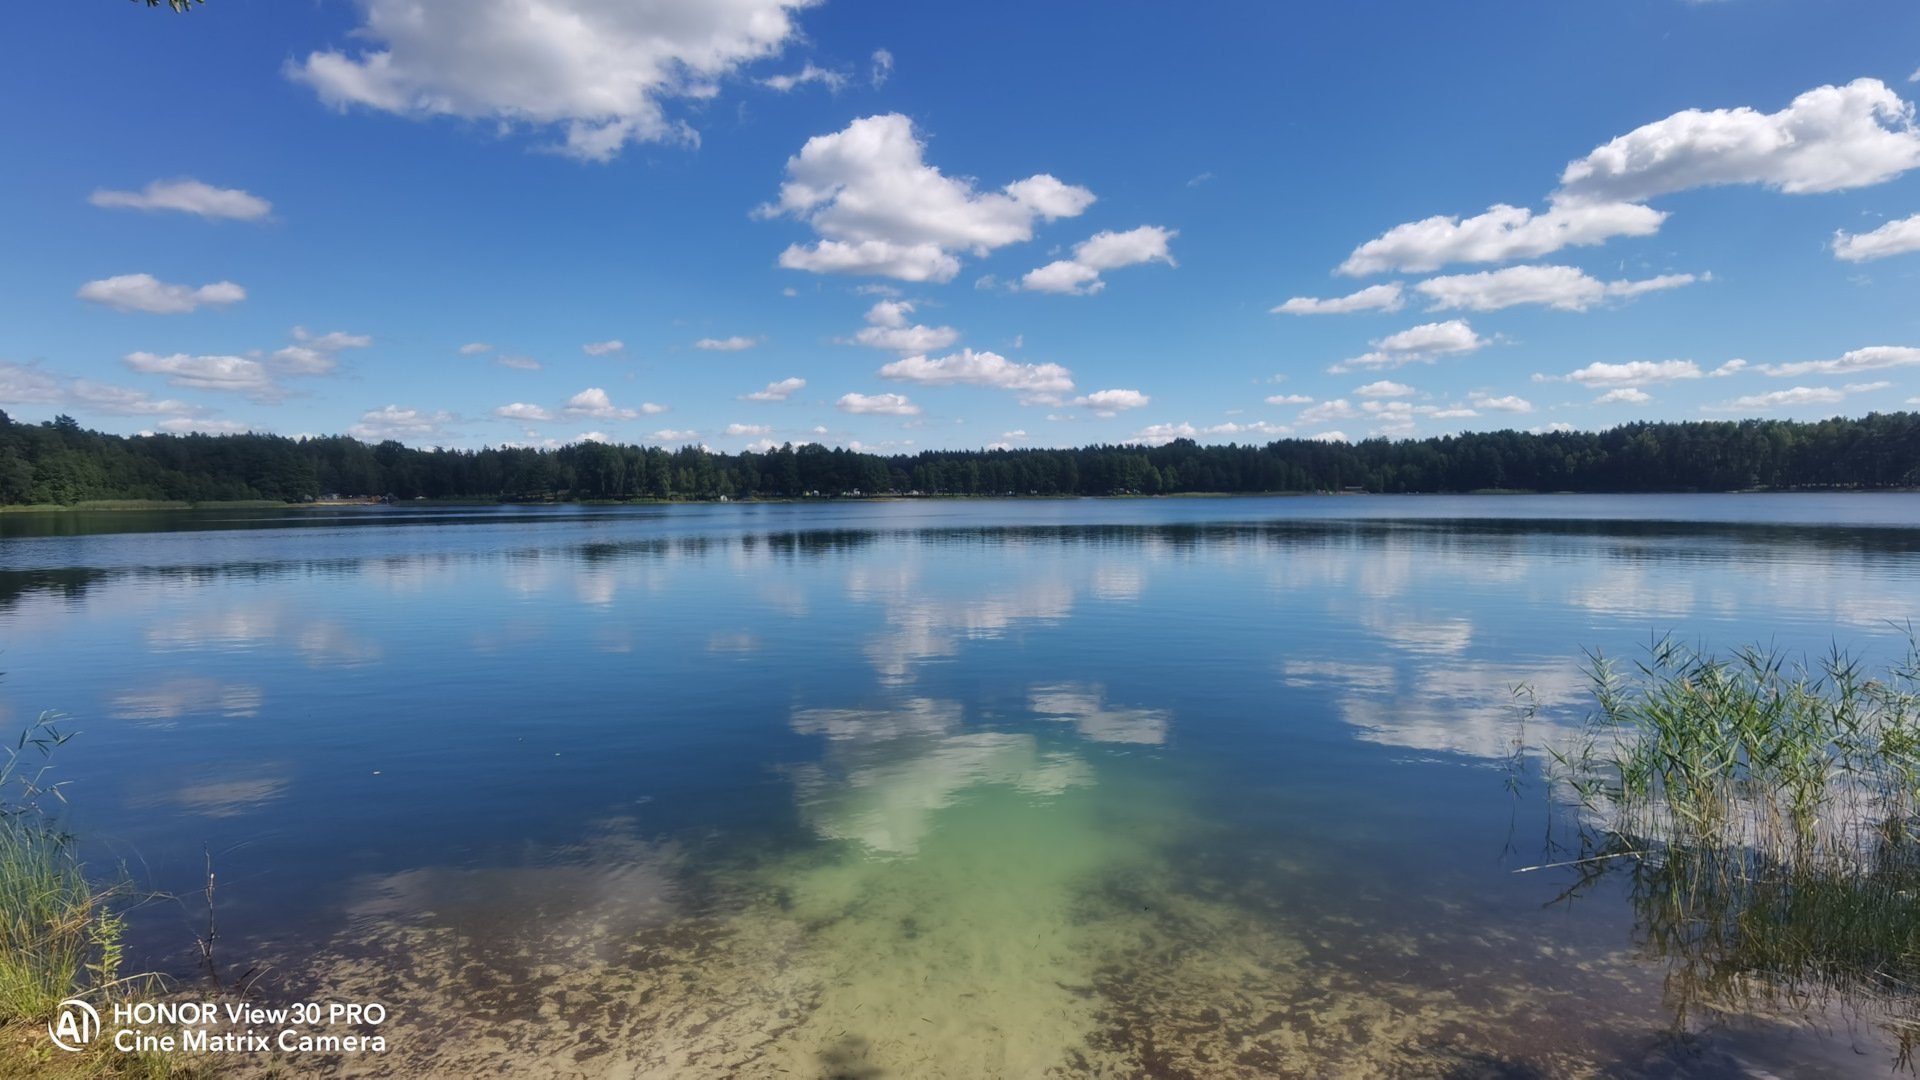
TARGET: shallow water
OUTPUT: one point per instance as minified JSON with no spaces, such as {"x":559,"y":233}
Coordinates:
{"x":1106,"y":788}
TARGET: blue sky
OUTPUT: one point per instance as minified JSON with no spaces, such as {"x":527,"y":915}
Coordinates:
{"x":904,"y":226}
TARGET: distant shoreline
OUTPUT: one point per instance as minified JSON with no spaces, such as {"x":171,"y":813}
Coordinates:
{"x":151,"y":506}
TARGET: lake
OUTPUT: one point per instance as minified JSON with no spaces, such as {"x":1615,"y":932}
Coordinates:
{"x":1175,"y":787}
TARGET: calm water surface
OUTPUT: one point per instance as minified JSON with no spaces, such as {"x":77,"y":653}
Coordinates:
{"x":1163,"y":788}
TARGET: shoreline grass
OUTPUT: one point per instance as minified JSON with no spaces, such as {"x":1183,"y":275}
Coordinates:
{"x":59,"y":931}
{"x":1766,"y":817}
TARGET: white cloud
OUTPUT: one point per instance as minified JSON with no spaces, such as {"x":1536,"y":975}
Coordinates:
{"x":889,"y":330}
{"x":1831,"y":138}
{"x":182,"y":425}
{"x":314,"y":354}
{"x":600,"y":68}
{"x":776,"y":391}
{"x":235,"y":374}
{"x":736,"y":343}
{"x":879,"y":208}
{"x":475,"y":348}
{"x":1385,"y":388}
{"x":1501,"y":233}
{"x":834,"y":80}
{"x":1162,"y":434}
{"x":1330,"y":436}
{"x":1420,"y":344}
{"x":1509,"y":403}
{"x":603,"y":348}
{"x":1871,"y":358}
{"x":1893,"y":238}
{"x":749,"y":429}
{"x":882,"y":68}
{"x":123,"y":400}
{"x":1631,"y":373}
{"x":522,"y":411}
{"x":982,"y":369}
{"x":674,"y":435}
{"x":518,"y":363}
{"x":1080,"y":275}
{"x":1372,"y":298}
{"x":1109,"y":402}
{"x":144,"y":292}
{"x":1289,"y":399}
{"x":1799,"y":395}
{"x":1731,"y":367}
{"x":394,"y":422}
{"x":1337,"y":409}
{"x":882,"y":404}
{"x":593,"y":401}
{"x":21,"y":384}
{"x":187,"y":197}
{"x":1562,"y":287}
{"x":1625,"y":395}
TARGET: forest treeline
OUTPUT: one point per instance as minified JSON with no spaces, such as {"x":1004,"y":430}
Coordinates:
{"x":59,"y":462}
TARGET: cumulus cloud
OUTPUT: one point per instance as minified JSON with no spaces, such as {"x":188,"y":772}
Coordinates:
{"x":314,"y":354}
{"x":1329,"y":436}
{"x":982,"y":369}
{"x":603,"y":348}
{"x":1337,"y":409}
{"x":187,"y":197}
{"x":1385,"y":388}
{"x":1731,"y":367}
{"x":184,"y":425}
{"x":674,"y":435}
{"x":882,"y":68}
{"x":1080,"y":275}
{"x":394,"y":422}
{"x":1799,"y":395}
{"x":880,"y":209}
{"x":518,"y":363}
{"x":1372,"y":298}
{"x":810,"y":73}
{"x":1289,"y":399}
{"x":1562,"y":287}
{"x":776,"y":391}
{"x":1831,"y":138}
{"x":881,"y":404}
{"x":1631,"y":373}
{"x":599,"y":70}
{"x":1626,"y":395}
{"x":888,"y":329}
{"x":1109,"y":402}
{"x":593,"y":401}
{"x":1509,"y":403}
{"x":1871,"y":358}
{"x":1893,"y":238}
{"x":524,"y":412}
{"x":749,"y":429}
{"x":1500,"y":234}
{"x":1417,"y":345}
{"x":233,"y":374}
{"x":144,"y":292}
{"x":736,"y":343}
{"x":22,"y":384}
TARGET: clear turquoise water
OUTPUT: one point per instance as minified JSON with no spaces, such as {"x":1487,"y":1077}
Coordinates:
{"x":1158,"y":787}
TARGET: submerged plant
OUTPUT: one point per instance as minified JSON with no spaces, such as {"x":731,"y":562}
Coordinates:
{"x":1764,"y":813}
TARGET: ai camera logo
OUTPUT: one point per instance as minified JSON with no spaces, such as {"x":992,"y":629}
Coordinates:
{"x":74,"y":1026}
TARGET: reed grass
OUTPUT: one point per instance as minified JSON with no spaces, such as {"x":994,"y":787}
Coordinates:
{"x":60,"y":934}
{"x":1764,"y":812}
